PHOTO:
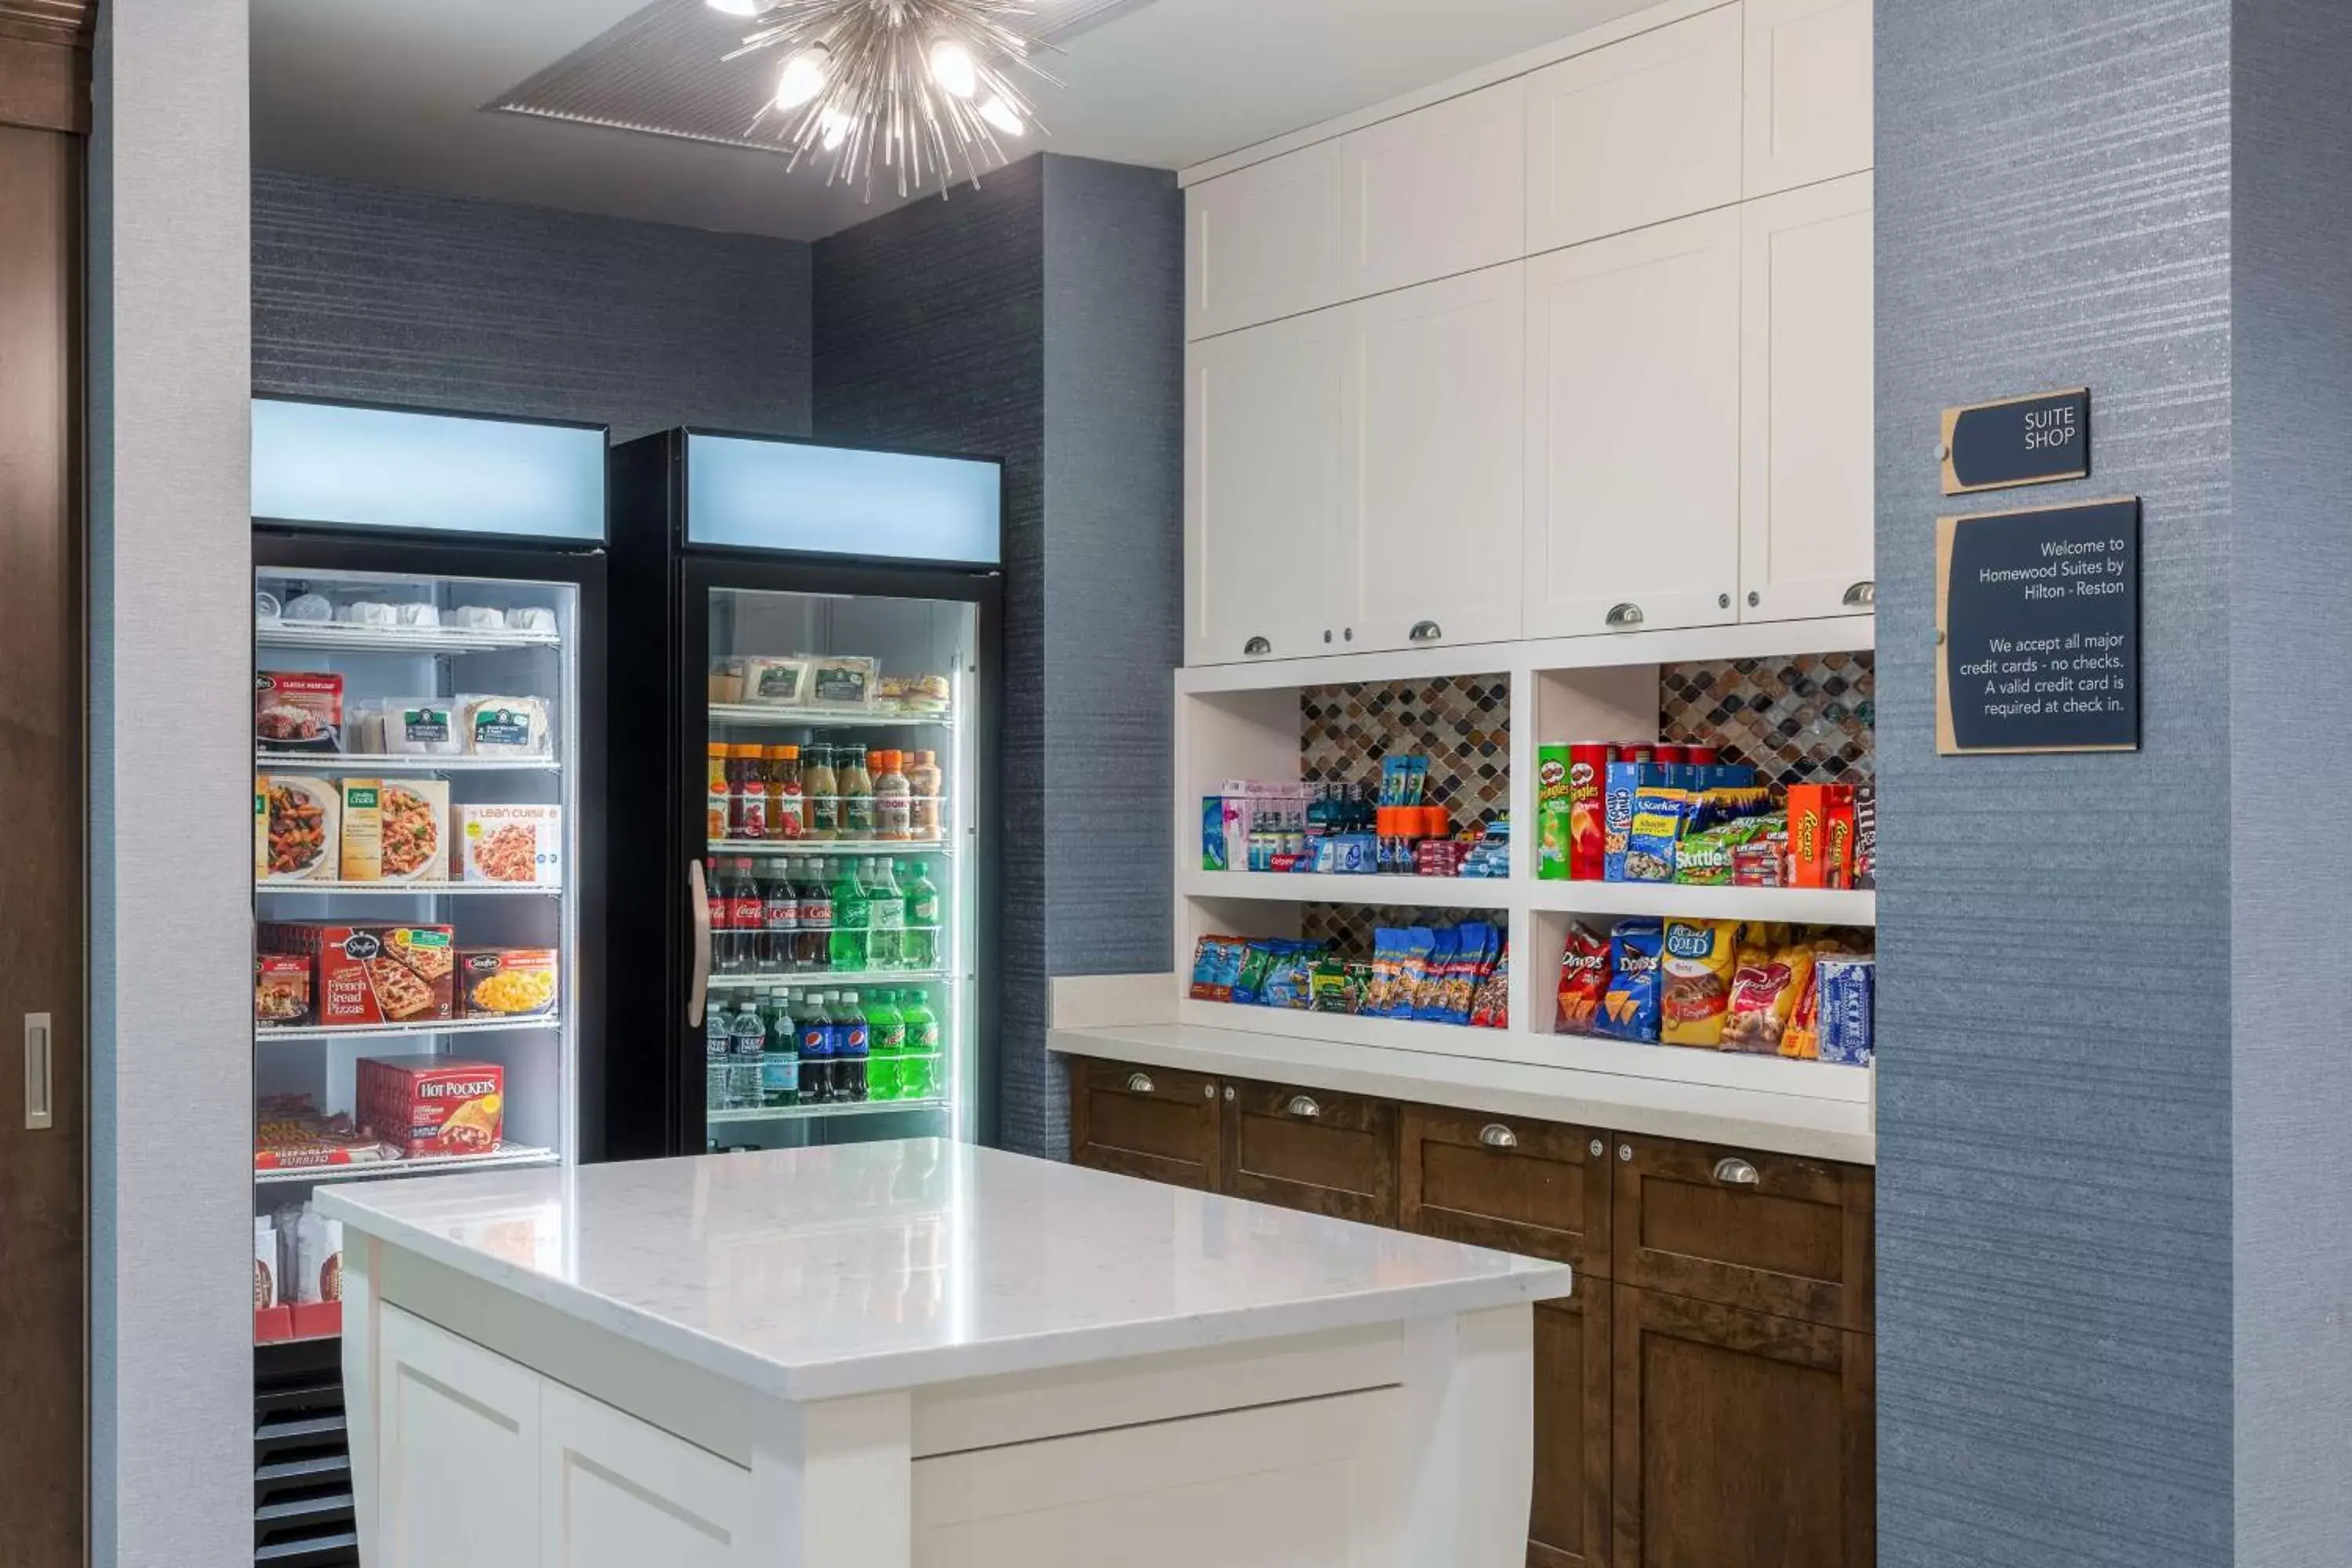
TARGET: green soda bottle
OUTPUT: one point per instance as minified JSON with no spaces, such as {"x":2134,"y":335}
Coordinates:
{"x":920,"y":1076}
{"x":919,"y":943}
{"x":849,"y":949}
{"x":885,"y":1037}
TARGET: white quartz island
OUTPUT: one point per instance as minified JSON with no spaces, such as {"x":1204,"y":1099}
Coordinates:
{"x":920,"y":1353}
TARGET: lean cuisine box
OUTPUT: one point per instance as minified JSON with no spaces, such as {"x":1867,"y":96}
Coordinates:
{"x":431,"y":1105}
{"x":373,"y":975}
{"x":514,"y":844}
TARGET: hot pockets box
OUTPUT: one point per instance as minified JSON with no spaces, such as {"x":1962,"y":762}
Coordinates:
{"x":425,"y":1106}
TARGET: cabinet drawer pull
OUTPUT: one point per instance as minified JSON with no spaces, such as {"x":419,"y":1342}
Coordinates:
{"x":1140,"y":1083}
{"x":1866,"y":593}
{"x":1257,"y":646}
{"x":1495,"y":1135}
{"x":1734,"y":1173}
{"x":1594,"y":1149}
{"x":1625,"y":615}
{"x":1301,"y":1104}
{"x":1208,"y":1091}
{"x":1425,"y":631}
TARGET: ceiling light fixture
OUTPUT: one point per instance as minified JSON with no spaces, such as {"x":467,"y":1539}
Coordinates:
{"x":735,"y":7}
{"x":915,"y":87}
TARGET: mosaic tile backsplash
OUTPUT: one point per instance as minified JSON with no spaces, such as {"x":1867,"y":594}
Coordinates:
{"x":1810,"y":717}
{"x":1462,"y":723}
{"x":1349,"y":927}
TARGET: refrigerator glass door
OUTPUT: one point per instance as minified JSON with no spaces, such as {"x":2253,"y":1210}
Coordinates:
{"x":836,"y":974}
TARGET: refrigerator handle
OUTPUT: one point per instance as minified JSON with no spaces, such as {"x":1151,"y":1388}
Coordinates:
{"x":698,"y":911}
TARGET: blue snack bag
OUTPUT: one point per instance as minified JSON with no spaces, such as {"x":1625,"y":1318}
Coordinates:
{"x":1429,"y":986}
{"x":1629,"y":1009}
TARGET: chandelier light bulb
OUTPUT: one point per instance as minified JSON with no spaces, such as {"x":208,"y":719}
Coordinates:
{"x":953,"y":69}
{"x":736,"y":7}
{"x":833,"y":127}
{"x":1003,"y":115}
{"x":804,"y":76}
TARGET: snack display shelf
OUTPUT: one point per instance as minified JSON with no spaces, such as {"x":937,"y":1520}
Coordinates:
{"x":508,"y":1155}
{"x":343,"y":637}
{"x":412,"y":889}
{"x":739,"y":713}
{"x":820,"y":1112}
{"x":406,"y":1031}
{"x":823,"y":847}
{"x":830,"y":980}
{"x":379,"y":763}
{"x":1674,"y":901}
{"x":1340,"y":888}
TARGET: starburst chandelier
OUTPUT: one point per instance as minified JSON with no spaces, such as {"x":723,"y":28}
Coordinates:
{"x":912,"y":87}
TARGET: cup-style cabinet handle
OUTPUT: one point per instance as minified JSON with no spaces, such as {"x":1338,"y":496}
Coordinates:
{"x":1138,"y":1083}
{"x":1495,"y":1135}
{"x":1303,"y":1105}
{"x":1736,"y":1172}
{"x":1425,"y":631}
{"x":1624,"y":614}
{"x":1257,"y":646}
{"x":1862,"y":594}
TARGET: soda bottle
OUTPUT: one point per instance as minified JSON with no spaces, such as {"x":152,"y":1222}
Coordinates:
{"x":780,"y":901}
{"x":813,"y":954}
{"x":719,"y":899}
{"x":918,"y":1073}
{"x":747,"y":916}
{"x":885,"y":917}
{"x":717,"y":1042}
{"x":780,"y":1067}
{"x":848,"y":920}
{"x":854,"y":1048}
{"x":886,"y":1045}
{"x":815,"y":1026}
{"x":919,"y":943}
{"x":747,"y":1043}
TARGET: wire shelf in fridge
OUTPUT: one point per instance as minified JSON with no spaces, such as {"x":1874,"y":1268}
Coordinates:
{"x":818,"y":848}
{"x":829,"y":980}
{"x":507,"y":1156}
{"x":337,"y":637}
{"x":381,"y":762}
{"x":819,"y":1112}
{"x":405,"y":1031}
{"x":413,"y":889}
{"x":747,"y":715}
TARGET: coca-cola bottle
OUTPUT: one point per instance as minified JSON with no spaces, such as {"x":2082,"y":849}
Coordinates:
{"x":781,"y":906}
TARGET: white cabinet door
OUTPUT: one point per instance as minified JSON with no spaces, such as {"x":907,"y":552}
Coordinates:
{"x":1437,"y":413}
{"x":1264,"y":242}
{"x":1806,"y":507}
{"x":1808,"y":92}
{"x":1264,"y":497}
{"x":1632,"y":446}
{"x":1437,"y":191}
{"x":458,"y":1431}
{"x":620,"y":1494}
{"x":1634,"y":133}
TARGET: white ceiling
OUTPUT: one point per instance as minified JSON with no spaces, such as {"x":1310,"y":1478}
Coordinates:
{"x":391,"y":91}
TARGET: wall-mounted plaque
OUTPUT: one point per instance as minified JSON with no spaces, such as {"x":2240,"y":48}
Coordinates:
{"x":2037,"y":619}
{"x":2036,"y":440}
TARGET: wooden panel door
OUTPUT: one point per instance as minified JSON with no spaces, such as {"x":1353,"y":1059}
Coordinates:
{"x":1265,"y":242}
{"x":457,"y":1451}
{"x":1808,"y":92}
{"x":1267,"y":565}
{"x":1437,"y":191}
{"x":618,"y":1493}
{"x":1635,"y":133}
{"x":1806,"y":512}
{"x":1436,"y":413}
{"x":1742,"y":1440}
{"x":1308,"y":1149}
{"x":1155,"y":1122}
{"x":1568,"y":1520}
{"x":1632,"y":450}
{"x":1538,"y":1188}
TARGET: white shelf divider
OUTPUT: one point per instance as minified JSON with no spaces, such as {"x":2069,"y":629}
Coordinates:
{"x":1330,"y":888}
{"x":1672,"y":900}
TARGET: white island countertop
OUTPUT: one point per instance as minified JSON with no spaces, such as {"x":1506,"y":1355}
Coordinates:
{"x":827,"y":1273}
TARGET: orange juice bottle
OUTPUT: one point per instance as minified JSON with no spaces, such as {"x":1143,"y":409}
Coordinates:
{"x":721,"y":810}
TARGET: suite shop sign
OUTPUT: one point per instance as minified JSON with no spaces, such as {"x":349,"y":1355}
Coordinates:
{"x":2037,"y":626}
{"x":2036,"y":440}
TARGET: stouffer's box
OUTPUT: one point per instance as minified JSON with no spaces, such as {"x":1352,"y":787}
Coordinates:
{"x":373,"y":975}
{"x":426,"y":1106}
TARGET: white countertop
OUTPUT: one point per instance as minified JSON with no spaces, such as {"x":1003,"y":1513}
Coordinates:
{"x":821,"y":1273}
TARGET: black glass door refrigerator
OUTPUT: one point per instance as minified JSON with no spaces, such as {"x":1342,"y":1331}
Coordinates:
{"x":805,"y":678}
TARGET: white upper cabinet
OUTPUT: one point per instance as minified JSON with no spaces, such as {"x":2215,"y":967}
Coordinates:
{"x":1633,"y":455}
{"x":1265,"y":242}
{"x":1808,"y":92}
{"x":1436,"y":403}
{"x":1634,"y":133}
{"x":1436,"y":193}
{"x":1806,"y":508}
{"x":1264,"y":491}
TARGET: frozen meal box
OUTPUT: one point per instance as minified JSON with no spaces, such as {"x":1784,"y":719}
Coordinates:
{"x":297,"y":711}
{"x":504,"y":726}
{"x":505,"y":981}
{"x":844,"y":681}
{"x":281,"y":988}
{"x":299,"y":824}
{"x":373,"y":975}
{"x":521,"y":843}
{"x":432,"y":1105}
{"x":780,"y":682}
{"x":393,"y":831}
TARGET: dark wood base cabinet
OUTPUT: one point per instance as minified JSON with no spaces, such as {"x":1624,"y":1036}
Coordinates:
{"x":1705,"y":1398}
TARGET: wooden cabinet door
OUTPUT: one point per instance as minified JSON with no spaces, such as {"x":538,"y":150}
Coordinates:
{"x":1538,"y":1188}
{"x":1632,"y":446}
{"x":1807,"y":514}
{"x":1154,"y":1123}
{"x":1266,"y":564}
{"x":1308,"y":1149}
{"x":1742,"y":1440}
{"x":1265,"y":242}
{"x":1437,"y":191}
{"x":1768,"y":1233}
{"x":1568,"y":1520}
{"x":458,"y":1445}
{"x":618,"y":1493}
{"x":1635,"y":133}
{"x":1808,"y":92}
{"x":1434,"y":468}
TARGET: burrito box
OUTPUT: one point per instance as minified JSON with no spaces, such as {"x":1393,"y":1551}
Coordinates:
{"x":373,"y":975}
{"x":516,"y":844}
{"x":431,"y":1105}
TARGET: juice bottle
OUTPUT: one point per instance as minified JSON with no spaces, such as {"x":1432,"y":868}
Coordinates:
{"x":855,"y":1046}
{"x":822,"y":786}
{"x":856,"y":793}
{"x":885,"y":917}
{"x":786,"y":816}
{"x":886,"y":1045}
{"x":923,"y":785}
{"x":749,"y":793}
{"x":919,"y":943}
{"x":919,"y":1072}
{"x":848,"y":946}
{"x":814,"y":952}
{"x":817,"y":1050}
{"x":780,"y":1067}
{"x":780,"y":906}
{"x":893,"y":800}
{"x":721,"y":811}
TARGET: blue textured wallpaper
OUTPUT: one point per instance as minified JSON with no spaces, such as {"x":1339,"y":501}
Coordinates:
{"x":2054,"y":1181}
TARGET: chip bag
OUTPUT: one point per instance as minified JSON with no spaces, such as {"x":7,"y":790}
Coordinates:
{"x":1763,"y":996}
{"x":1629,"y":1009}
{"x":1697,"y":963}
{"x":1583,"y":978}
